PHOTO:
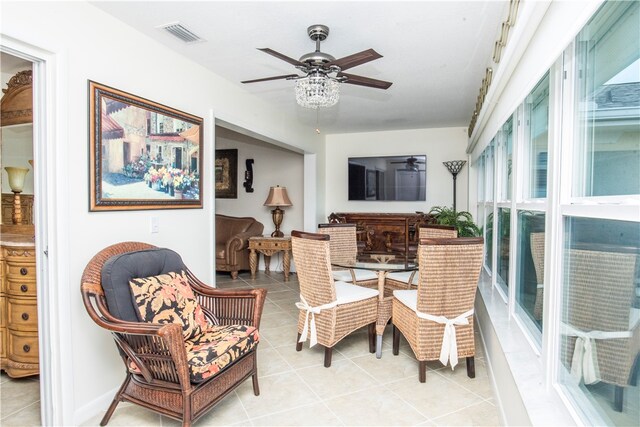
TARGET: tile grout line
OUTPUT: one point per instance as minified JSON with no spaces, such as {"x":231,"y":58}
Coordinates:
{"x":19,"y":410}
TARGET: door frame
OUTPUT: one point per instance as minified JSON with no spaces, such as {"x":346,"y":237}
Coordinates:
{"x":51,"y":237}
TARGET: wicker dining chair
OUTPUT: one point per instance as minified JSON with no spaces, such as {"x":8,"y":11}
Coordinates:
{"x":537,"y":254}
{"x":177,"y":376}
{"x":406,"y":279}
{"x":437,"y":318}
{"x":329,"y":310}
{"x":344,"y":249}
{"x":600,"y":294}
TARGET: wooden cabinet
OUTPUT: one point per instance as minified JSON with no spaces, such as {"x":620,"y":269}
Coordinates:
{"x":395,"y":233}
{"x":18,"y":308}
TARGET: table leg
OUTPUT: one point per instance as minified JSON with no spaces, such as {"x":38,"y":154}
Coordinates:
{"x":286,"y":261}
{"x":267,"y":262}
{"x":253,"y":262}
{"x":382,"y":321}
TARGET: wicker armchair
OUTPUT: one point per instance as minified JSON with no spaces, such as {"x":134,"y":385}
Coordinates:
{"x":329,"y":311}
{"x":405,"y":279}
{"x":437,"y":318}
{"x":537,"y":254}
{"x":344,"y":249}
{"x":159,"y":361}
{"x":600,"y":312}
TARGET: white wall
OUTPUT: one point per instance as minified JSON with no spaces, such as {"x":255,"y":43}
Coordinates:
{"x":100,"y":48}
{"x":438,"y":144}
{"x":272,"y":166}
{"x":16,"y":140}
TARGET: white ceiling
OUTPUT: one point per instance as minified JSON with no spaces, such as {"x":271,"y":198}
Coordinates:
{"x":434,"y":52}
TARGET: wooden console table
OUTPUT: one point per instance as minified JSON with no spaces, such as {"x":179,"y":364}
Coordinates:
{"x":393,"y":233}
{"x":268,"y":246}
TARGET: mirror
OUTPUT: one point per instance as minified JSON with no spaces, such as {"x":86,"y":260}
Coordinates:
{"x":395,"y":178}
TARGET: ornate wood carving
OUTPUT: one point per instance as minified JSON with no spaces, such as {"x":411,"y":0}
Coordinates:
{"x":16,"y":105}
{"x":394,"y":233}
{"x":26,"y":201}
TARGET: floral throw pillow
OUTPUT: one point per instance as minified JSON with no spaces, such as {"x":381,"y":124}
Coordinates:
{"x":168,"y":298}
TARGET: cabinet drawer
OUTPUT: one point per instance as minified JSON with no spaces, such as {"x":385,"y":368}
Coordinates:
{"x":17,"y":269}
{"x":22,"y":314}
{"x":21,"y":288}
{"x":3,"y":343}
{"x":23,"y":346}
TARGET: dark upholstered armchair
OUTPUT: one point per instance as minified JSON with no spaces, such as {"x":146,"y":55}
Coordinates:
{"x":184,"y":345}
{"x":232,"y":242}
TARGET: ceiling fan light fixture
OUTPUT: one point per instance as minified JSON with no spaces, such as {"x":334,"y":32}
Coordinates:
{"x":317,"y":90}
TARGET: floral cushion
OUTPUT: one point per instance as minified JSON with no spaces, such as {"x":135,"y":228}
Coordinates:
{"x":168,"y":298}
{"x":218,"y":347}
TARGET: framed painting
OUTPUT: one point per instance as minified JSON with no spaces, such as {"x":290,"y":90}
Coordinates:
{"x":143,"y":155}
{"x":226,"y":173}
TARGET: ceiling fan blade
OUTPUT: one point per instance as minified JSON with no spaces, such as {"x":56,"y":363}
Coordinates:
{"x":365,"y":81}
{"x":281,"y":56}
{"x":270,"y":78}
{"x":355,"y":59}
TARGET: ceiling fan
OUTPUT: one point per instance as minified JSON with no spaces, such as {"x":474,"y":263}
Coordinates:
{"x":323,"y":69}
{"x":411,"y":162}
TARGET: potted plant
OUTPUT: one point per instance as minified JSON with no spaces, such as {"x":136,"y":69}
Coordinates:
{"x":462,"y":220}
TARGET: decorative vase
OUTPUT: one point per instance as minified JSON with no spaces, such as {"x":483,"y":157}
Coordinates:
{"x":171,"y":191}
{"x":177,"y":194}
{"x":156,"y":185}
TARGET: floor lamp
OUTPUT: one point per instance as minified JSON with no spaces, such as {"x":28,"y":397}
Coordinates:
{"x":454,"y":166}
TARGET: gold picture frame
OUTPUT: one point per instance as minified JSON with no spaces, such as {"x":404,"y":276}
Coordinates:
{"x":143,"y":155}
{"x":226,"y":174}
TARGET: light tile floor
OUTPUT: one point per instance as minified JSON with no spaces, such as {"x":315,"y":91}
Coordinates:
{"x":296,"y":389}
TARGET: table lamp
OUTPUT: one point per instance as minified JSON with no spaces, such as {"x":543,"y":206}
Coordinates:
{"x":16,"y":182}
{"x":277,"y":197}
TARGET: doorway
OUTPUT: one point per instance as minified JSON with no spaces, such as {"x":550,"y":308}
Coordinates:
{"x":20,"y":344}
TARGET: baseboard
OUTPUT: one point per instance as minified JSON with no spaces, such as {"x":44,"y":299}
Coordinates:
{"x":96,"y":407}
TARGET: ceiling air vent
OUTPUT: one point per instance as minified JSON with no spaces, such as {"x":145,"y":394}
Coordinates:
{"x":178,"y":30}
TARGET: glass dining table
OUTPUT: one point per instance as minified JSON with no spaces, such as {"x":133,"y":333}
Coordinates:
{"x":382,"y":264}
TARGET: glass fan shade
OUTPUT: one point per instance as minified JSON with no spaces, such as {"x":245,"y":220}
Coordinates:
{"x":317,"y":91}
{"x":16,"y":178}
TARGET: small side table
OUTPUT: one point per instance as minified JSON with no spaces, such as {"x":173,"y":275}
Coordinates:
{"x":268,"y":246}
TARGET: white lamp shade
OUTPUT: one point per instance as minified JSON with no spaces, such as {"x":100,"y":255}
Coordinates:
{"x":16,"y":178}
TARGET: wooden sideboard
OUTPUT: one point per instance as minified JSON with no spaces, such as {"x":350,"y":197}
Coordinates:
{"x":18,"y":308}
{"x":395,"y":233}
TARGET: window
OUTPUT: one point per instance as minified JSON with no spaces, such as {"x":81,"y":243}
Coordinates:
{"x":600,"y":310}
{"x":506,"y":160}
{"x":592,"y":229}
{"x":488,"y":206}
{"x":530,"y":268}
{"x":607,"y":155}
{"x":537,"y":120}
{"x":531,"y":211}
{"x":504,"y":234}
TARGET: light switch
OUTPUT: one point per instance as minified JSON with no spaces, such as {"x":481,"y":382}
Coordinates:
{"x":155,"y":224}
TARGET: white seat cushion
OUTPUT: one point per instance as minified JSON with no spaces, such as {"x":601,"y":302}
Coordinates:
{"x":404,"y":276}
{"x":347,"y":293}
{"x":407,"y":297}
{"x":345,"y":275}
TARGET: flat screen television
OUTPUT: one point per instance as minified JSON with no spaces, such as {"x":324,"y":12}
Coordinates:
{"x":395,"y":178}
